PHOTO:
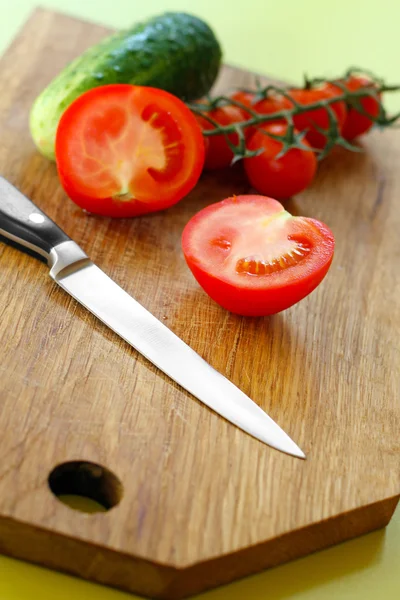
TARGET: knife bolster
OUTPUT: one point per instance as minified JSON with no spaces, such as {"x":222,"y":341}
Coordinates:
{"x":63,"y":256}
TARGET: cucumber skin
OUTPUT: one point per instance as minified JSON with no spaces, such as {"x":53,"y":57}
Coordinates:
{"x":176,"y":52}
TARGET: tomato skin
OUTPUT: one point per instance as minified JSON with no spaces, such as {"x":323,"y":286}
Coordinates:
{"x":320,"y":117}
{"x":305,"y":121}
{"x":283,"y":177}
{"x":270,"y":105}
{"x":110,"y":207}
{"x":357,"y":124}
{"x":273,"y":103}
{"x":245,"y":294}
{"x":268,"y":302}
{"x":123,"y":113}
{"x":245,"y":98}
{"x":218,"y":153}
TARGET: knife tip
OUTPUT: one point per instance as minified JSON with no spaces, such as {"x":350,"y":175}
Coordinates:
{"x":297,"y":452}
{"x":275,"y":437}
{"x":300,"y":454}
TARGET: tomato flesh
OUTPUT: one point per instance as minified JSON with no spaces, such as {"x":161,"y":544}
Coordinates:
{"x":357,"y":124}
{"x":125,"y":150}
{"x":253,"y":258}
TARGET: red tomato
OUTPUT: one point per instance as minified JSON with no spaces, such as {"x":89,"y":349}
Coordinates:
{"x":319,"y":116}
{"x":278,"y":177}
{"x":245,"y":98}
{"x":218,"y":153}
{"x":254,"y":258}
{"x":356,"y":124}
{"x":124,"y":150}
{"x":272,"y":104}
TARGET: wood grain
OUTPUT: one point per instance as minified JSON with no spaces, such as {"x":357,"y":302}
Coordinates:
{"x":203,"y":503}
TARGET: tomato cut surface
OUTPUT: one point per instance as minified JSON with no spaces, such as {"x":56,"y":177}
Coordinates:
{"x":253,"y":257}
{"x":124,"y":150}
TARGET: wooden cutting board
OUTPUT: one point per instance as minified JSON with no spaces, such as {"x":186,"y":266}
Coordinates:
{"x":199,"y":503}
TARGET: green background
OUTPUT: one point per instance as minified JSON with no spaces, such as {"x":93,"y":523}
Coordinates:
{"x":285,"y":39}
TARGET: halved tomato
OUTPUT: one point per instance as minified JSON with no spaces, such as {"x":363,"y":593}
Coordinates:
{"x":253,"y":257}
{"x":125,"y":150}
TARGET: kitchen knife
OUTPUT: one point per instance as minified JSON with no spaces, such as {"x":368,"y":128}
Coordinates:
{"x":23,"y":224}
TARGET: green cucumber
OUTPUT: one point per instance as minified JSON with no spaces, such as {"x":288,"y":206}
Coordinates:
{"x":176,"y":52}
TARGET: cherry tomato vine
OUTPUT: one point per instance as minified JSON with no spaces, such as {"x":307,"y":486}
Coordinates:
{"x":292,"y":138}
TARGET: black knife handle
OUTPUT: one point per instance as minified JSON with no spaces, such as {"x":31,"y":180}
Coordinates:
{"x":24,"y":224}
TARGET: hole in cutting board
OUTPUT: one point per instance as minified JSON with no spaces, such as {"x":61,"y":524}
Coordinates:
{"x":85,"y":486}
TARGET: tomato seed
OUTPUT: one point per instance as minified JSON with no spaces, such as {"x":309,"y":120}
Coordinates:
{"x":221,"y":243}
{"x":255,"y":265}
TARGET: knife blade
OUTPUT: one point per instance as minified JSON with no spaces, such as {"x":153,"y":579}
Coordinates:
{"x":25,"y":225}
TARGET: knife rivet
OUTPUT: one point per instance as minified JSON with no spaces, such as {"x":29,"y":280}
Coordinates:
{"x":36,"y":218}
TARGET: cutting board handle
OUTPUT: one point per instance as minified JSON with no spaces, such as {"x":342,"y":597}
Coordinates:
{"x":25,"y":225}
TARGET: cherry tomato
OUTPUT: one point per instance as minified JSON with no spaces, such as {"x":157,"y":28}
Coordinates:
{"x":218,"y":153}
{"x":318,"y":117}
{"x":278,"y":177}
{"x":272,"y":104}
{"x":356,"y":123}
{"x":124,"y":150}
{"x":245,"y":98}
{"x":253,"y":258}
